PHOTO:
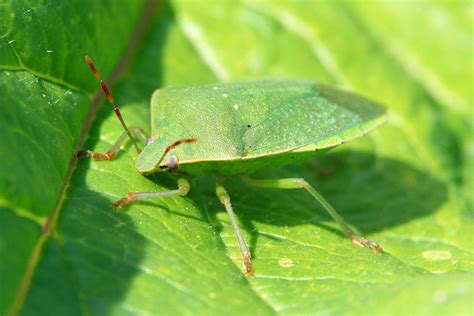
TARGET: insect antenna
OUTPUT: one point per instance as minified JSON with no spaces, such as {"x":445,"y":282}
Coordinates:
{"x":111,"y":101}
{"x":173,"y":145}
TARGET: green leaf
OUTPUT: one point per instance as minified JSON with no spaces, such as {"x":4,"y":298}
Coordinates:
{"x":407,"y":185}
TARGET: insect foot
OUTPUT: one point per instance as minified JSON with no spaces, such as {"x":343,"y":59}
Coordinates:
{"x":83,"y":153}
{"x":363,"y":242}
{"x":116,"y":205}
{"x":247,"y":264}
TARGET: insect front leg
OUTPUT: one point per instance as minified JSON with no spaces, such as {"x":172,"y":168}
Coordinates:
{"x":112,"y":152}
{"x":300,"y":183}
{"x":183,"y":189}
{"x":225,"y":199}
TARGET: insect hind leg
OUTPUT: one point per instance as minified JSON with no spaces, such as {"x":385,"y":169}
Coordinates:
{"x":300,"y":183}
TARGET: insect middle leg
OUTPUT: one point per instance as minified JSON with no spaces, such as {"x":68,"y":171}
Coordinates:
{"x":112,"y":152}
{"x":225,"y":199}
{"x":300,"y":183}
{"x":183,"y":189}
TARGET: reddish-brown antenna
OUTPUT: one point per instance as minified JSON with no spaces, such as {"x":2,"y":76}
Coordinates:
{"x":173,"y":145}
{"x":111,"y":100}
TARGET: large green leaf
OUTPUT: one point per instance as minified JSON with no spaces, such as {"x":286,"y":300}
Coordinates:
{"x":407,"y":185}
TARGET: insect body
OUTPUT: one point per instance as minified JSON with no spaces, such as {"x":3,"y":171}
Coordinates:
{"x":239,"y":128}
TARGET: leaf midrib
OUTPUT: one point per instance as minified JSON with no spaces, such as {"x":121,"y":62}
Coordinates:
{"x":96,"y":100}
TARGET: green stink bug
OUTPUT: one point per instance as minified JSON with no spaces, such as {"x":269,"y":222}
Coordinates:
{"x":239,"y":128}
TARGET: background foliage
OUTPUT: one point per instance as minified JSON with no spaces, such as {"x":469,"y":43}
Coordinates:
{"x":407,"y":185}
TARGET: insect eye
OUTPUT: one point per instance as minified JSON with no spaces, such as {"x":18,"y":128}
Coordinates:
{"x":172,"y":162}
{"x":150,"y":141}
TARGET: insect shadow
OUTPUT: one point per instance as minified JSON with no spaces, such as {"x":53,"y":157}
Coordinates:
{"x":371,"y":194}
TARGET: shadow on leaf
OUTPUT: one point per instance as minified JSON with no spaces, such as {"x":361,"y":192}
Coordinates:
{"x":95,"y":253}
{"x":370,"y":193}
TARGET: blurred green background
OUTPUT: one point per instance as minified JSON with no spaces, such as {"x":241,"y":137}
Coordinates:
{"x":408,"y":184}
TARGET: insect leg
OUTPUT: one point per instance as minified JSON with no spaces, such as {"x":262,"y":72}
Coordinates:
{"x":225,"y":199}
{"x":110,"y":154}
{"x":300,"y":183}
{"x":183,"y":189}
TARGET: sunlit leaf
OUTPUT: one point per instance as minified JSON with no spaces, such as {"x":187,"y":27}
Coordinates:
{"x":407,"y":185}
